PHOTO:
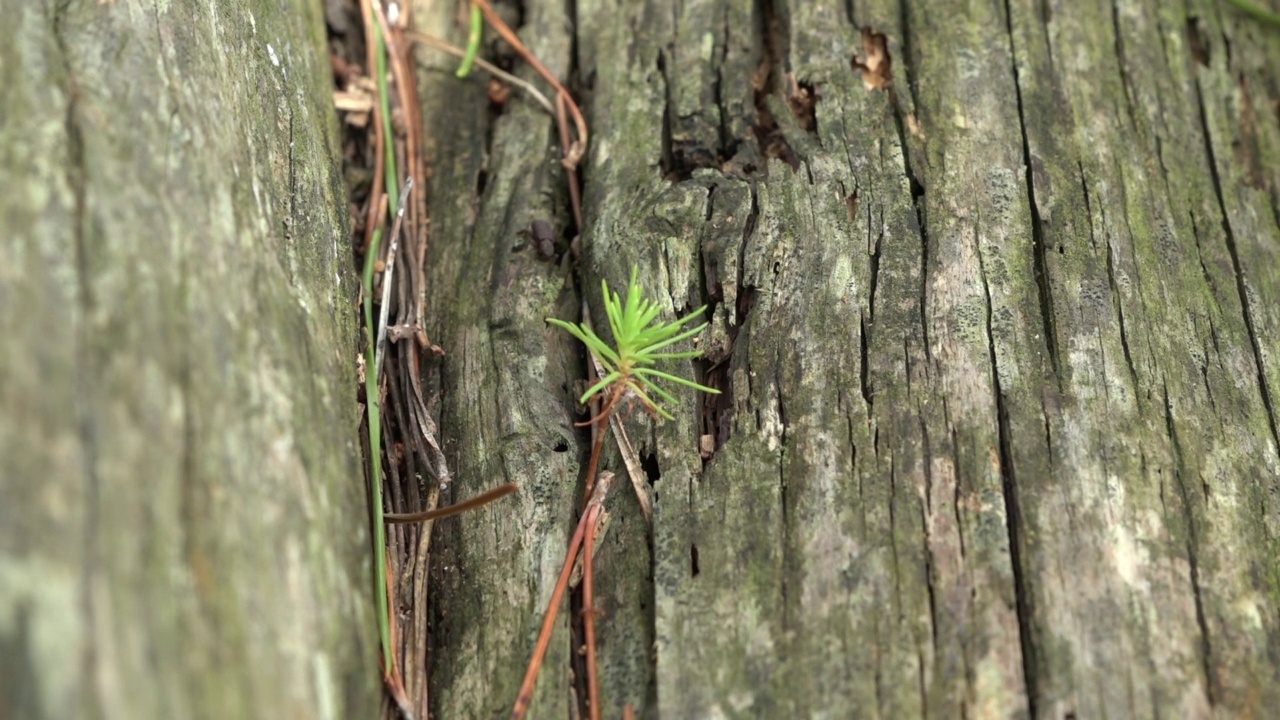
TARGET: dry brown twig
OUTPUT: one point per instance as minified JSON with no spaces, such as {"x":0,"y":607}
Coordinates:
{"x":404,"y":145}
{"x":566,"y":144}
{"x":595,"y":507}
{"x":589,"y":620}
{"x":579,"y":146}
{"x":485,"y":65}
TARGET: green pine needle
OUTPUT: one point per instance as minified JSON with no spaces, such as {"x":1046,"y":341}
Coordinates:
{"x":1257,"y":12}
{"x":637,"y":340}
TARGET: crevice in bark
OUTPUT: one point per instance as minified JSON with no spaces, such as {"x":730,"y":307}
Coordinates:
{"x":1242,"y":291}
{"x":1048,"y":431}
{"x":1204,"y":270}
{"x":1116,"y":298}
{"x":1121,"y":63}
{"x":86,"y":427}
{"x":681,"y":158}
{"x":1013,"y":512}
{"x":1179,"y":474}
{"x":966,"y":659}
{"x":581,"y":88}
{"x":171,"y":91}
{"x":1195,"y":41}
{"x":914,"y":183}
{"x":1247,"y":149}
{"x":850,"y":438}
{"x":802,"y":99}
{"x":955,"y":490}
{"x":1137,"y":282}
{"x":714,"y":365}
{"x":728,"y":146}
{"x":1046,"y":17}
{"x":718,"y":410}
{"x":287,"y":221}
{"x":863,"y":371}
{"x":494,"y":112}
{"x":716,"y":416}
{"x":746,"y":293}
{"x":908,"y":62}
{"x":874,"y":282}
{"x":1088,"y":206}
{"x":921,"y":669}
{"x":774,"y":43}
{"x":1208,"y":388}
{"x":649,"y":462}
{"x":673,"y":164}
{"x":893,"y":533}
{"x":1030,"y":162}
{"x":789,"y":562}
{"x":875,"y":63}
{"x":1164,"y":166}
{"x":926,"y":510}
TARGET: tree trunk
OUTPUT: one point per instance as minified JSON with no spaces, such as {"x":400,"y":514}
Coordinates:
{"x":995,"y":306}
{"x":184,"y":525}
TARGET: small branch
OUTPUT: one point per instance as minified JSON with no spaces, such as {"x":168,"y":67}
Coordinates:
{"x":483,"y":64}
{"x":480,"y":500}
{"x":635,"y":472}
{"x":589,"y":518}
{"x":566,"y":146}
{"x":593,"y":464}
{"x":589,"y":621}
{"x":579,"y":147}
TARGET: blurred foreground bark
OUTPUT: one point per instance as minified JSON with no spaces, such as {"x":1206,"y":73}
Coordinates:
{"x":183,"y":524}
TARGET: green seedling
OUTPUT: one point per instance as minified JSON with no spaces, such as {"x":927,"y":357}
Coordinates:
{"x":473,"y":42}
{"x":639,"y":343}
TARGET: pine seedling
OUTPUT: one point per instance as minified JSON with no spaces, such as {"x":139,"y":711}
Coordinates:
{"x":639,"y":342}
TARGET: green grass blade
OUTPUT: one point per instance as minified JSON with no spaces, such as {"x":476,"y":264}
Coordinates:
{"x":384,"y":101}
{"x":1257,"y":11}
{"x":371,"y":376}
{"x":473,"y":42}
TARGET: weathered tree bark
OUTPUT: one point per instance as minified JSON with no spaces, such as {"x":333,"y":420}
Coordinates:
{"x":997,"y":329}
{"x":183,"y":530}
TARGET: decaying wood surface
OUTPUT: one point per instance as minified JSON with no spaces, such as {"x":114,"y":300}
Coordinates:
{"x":995,"y":294}
{"x":505,"y":409}
{"x":183,"y":523}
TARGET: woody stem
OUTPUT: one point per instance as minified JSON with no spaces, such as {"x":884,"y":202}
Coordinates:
{"x":601,"y":428}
